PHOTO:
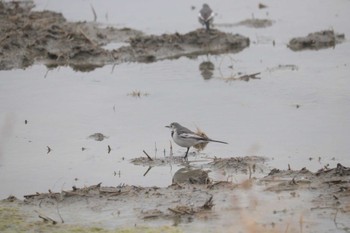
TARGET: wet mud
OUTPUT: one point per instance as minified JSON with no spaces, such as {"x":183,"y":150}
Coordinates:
{"x":184,"y":202}
{"x":31,"y":36}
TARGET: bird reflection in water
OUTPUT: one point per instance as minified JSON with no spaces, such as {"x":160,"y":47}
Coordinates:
{"x":207,"y":69}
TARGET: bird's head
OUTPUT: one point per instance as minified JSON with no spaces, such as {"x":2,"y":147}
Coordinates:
{"x":173,"y":126}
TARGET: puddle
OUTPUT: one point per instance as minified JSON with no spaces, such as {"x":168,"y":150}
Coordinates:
{"x":295,"y":113}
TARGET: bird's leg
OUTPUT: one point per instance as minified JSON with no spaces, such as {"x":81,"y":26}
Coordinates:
{"x":186,"y":153}
{"x":207,"y":25}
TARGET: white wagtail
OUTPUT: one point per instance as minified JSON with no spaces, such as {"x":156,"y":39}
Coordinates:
{"x":186,"y":138}
{"x":206,"y":16}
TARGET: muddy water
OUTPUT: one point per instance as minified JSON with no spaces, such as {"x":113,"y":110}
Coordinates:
{"x":299,"y":109}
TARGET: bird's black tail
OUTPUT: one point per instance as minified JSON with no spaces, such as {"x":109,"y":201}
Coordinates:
{"x":211,"y":140}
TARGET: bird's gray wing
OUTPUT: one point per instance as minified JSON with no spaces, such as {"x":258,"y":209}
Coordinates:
{"x":180,"y":130}
{"x":191,"y":136}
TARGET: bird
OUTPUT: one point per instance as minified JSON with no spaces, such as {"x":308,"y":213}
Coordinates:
{"x":186,"y":138}
{"x":206,"y":16}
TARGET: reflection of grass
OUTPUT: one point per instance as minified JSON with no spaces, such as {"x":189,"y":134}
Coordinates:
{"x":137,"y":93}
{"x":12,"y":220}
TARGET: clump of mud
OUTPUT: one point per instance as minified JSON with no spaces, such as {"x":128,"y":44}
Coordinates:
{"x":169,"y":46}
{"x":199,"y":173}
{"x":97,"y":137}
{"x":45,"y":36}
{"x":316,"y":40}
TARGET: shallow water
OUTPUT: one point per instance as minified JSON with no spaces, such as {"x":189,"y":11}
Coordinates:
{"x":259,"y":117}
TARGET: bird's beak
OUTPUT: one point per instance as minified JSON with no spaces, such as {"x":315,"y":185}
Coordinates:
{"x":168,"y":126}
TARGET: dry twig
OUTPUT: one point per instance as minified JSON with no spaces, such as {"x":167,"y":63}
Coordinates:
{"x":147,"y":155}
{"x":45,"y":218}
{"x":86,"y":37}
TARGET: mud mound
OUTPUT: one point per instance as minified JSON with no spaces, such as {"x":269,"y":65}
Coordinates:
{"x":45,"y":36}
{"x":316,"y":40}
{"x":169,"y":46}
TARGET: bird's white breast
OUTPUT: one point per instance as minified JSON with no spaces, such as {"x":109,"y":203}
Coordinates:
{"x":184,"y":142}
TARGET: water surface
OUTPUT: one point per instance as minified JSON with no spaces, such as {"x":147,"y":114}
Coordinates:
{"x":289,"y":115}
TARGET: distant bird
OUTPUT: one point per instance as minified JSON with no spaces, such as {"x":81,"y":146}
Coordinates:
{"x":206,"y":16}
{"x":186,"y":138}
